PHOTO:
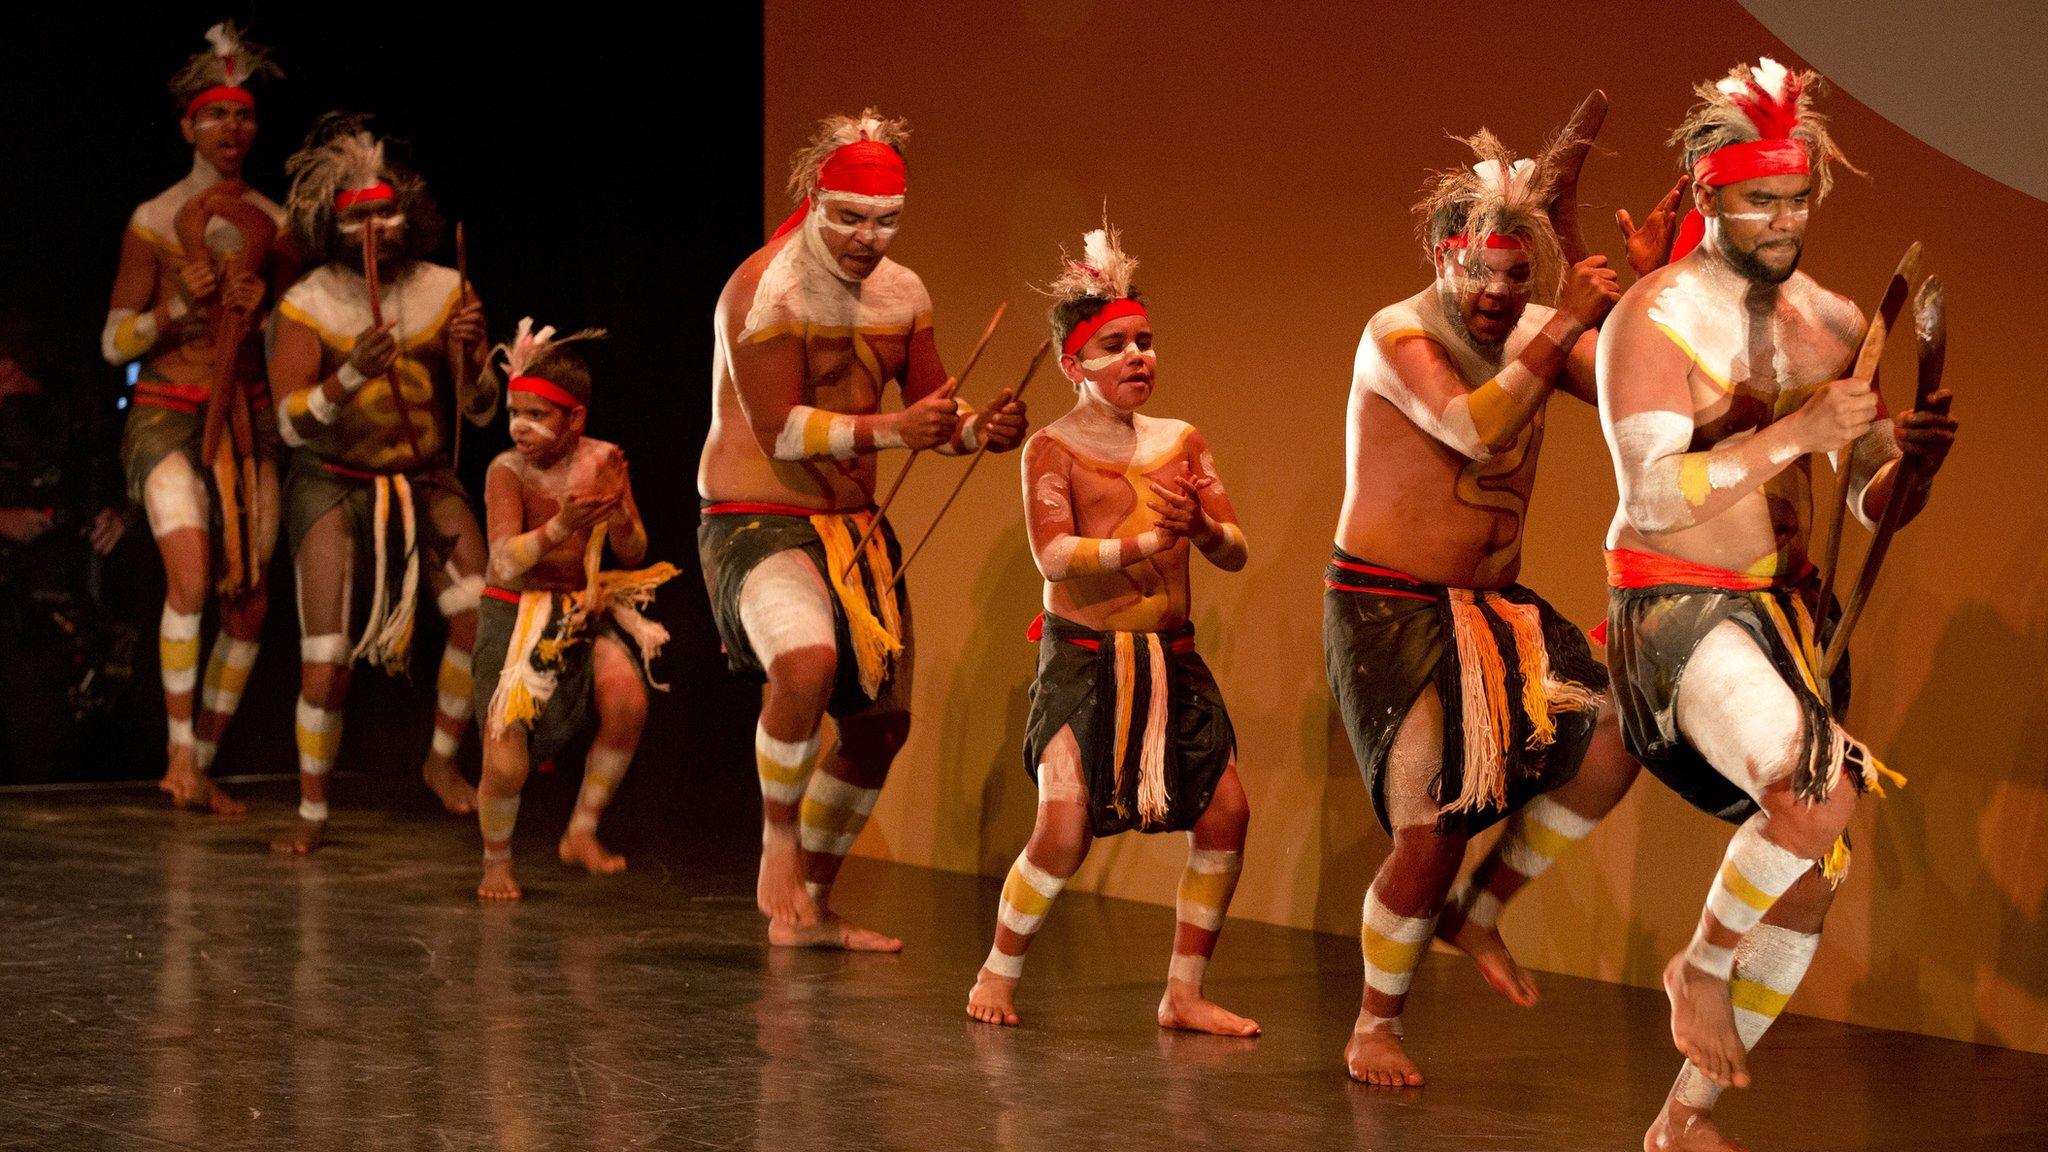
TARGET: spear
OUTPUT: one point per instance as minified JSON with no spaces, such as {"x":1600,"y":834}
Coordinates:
{"x":412,"y":436}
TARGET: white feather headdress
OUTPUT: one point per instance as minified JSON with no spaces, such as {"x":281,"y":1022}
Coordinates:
{"x":1103,"y":272}
{"x":1762,"y":101}
{"x":228,"y":61}
{"x":528,"y":346}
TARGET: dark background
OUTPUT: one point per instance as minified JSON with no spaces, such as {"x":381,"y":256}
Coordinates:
{"x":607,"y":168}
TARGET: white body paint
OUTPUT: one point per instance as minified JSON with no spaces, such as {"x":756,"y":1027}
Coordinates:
{"x":174,"y":497}
{"x":1736,"y":710}
{"x":786,"y":607}
{"x":1373,"y":371}
{"x":804,"y":287}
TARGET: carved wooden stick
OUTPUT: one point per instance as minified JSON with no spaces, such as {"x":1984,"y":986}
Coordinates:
{"x":1037,"y":358}
{"x":458,"y":350}
{"x":412,"y":436}
{"x":951,"y":386}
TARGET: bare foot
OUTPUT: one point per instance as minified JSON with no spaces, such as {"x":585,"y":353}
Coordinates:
{"x":1375,"y":1057}
{"x":188,"y":788}
{"x":829,"y":931}
{"x":1490,"y":952}
{"x":993,"y":999}
{"x":1682,"y":1129}
{"x":583,"y":850}
{"x":1703,"y":1023}
{"x":304,"y":839}
{"x":780,"y":891}
{"x":457,"y":795}
{"x":1183,"y":1008}
{"x":497,"y":882}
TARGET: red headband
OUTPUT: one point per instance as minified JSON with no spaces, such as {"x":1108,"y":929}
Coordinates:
{"x":1086,"y":329}
{"x":375,"y":192}
{"x":1739,"y":162}
{"x":1493,"y":240}
{"x":545,"y":389}
{"x":221,"y":94}
{"x":864,"y":168}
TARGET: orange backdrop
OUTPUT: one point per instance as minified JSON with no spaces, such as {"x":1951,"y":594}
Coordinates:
{"x":1261,"y":161}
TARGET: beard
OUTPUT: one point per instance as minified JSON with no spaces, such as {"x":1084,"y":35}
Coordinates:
{"x":1454,"y":315}
{"x":1752,"y":267}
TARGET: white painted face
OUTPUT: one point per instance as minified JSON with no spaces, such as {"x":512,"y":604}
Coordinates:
{"x":852,"y":232}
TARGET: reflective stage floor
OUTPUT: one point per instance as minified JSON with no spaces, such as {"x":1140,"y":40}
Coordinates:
{"x":167,"y":983}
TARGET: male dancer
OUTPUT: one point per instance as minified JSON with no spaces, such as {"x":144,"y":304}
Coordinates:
{"x":372,"y":505}
{"x":198,"y":252}
{"x":1719,"y":379}
{"x":1467,"y":698}
{"x":810,"y":330}
{"x":561,"y":646}
{"x":1127,"y":728}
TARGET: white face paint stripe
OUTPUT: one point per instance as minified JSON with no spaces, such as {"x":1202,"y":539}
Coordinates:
{"x":534,"y":427}
{"x":1098,"y":363}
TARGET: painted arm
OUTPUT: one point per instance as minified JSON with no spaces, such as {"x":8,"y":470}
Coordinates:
{"x":133,"y":323}
{"x":627,"y":531}
{"x":514,"y":551}
{"x":1646,"y":410}
{"x":308,"y":402}
{"x":1476,"y":422}
{"x":1216,"y":531}
{"x":1049,"y":515}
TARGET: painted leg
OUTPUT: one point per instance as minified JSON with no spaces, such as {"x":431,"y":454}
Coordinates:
{"x":1215,"y":857}
{"x":1059,"y":843}
{"x":227,"y":676}
{"x":1402,"y":904}
{"x":324,"y":568}
{"x":1769,"y":964}
{"x":497,"y":811}
{"x":1735,"y":710}
{"x":787,"y":613}
{"x":1536,"y":837}
{"x":456,"y":596}
{"x":621,"y":713}
{"x":179,"y":510}
{"x":836,"y":801}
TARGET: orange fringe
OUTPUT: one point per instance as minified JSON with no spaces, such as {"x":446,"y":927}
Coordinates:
{"x":1483,"y":689}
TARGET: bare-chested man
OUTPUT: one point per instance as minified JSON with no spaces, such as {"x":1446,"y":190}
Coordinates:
{"x":1467,"y":698}
{"x":561,"y":647}
{"x":810,"y":331}
{"x":374,"y":514}
{"x":215,"y":520}
{"x":1127,"y":729}
{"x":1719,"y":380}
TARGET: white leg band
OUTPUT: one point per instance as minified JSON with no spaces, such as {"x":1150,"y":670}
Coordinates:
{"x":314,"y":810}
{"x":460,"y":596}
{"x":330,"y":648}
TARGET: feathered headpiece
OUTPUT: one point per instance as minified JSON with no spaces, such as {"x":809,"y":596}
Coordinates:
{"x":341,"y":164}
{"x":1500,"y":202}
{"x":1758,"y":121}
{"x":1100,"y":279}
{"x":528,"y":348}
{"x":223,"y":71}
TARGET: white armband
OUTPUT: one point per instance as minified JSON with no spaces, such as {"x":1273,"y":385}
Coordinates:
{"x":320,"y":407}
{"x":351,"y":381}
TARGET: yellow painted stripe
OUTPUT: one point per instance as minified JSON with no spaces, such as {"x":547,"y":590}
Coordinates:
{"x":1209,"y":889}
{"x":1693,"y":480}
{"x":1393,"y":956}
{"x":320,"y":745}
{"x":1739,"y":887}
{"x":1719,"y":380}
{"x":1019,"y":894}
{"x":1490,"y":408}
{"x":1761,"y":999}
{"x":822,"y":816}
{"x":454,"y":680}
{"x":178,"y":655}
{"x":818,"y":433}
{"x":1544,"y":840}
{"x":1400,"y":334}
{"x":1792,"y":640}
{"x":789,"y":775}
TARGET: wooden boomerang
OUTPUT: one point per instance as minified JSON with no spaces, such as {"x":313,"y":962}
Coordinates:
{"x":1866,"y":369}
{"x":1930,"y":332}
{"x":1564,"y":206}
{"x":1037,"y":359}
{"x":951,"y":386}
